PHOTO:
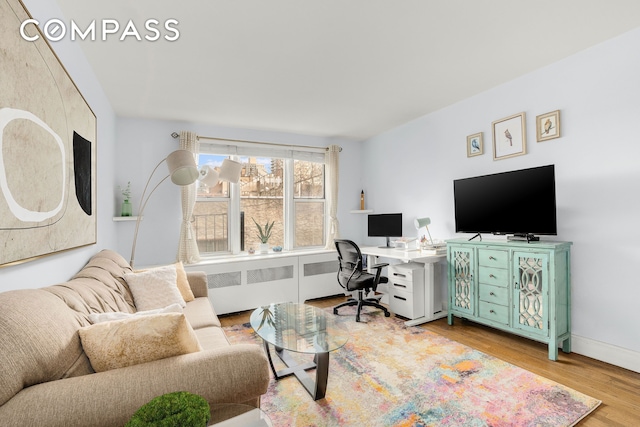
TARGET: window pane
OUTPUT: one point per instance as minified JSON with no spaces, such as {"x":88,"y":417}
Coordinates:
{"x":308,"y":180}
{"x":263,"y":210}
{"x":309,"y":223}
{"x":211,"y":225}
{"x":261,"y":177}
{"x":261,"y":198}
{"x":219,"y":190}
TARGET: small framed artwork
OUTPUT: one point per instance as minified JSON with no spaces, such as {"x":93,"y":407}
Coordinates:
{"x":509,"y":137}
{"x":548,"y":126}
{"x":474,"y":145}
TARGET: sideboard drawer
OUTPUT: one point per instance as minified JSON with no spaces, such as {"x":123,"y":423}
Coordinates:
{"x":494,"y":294}
{"x":493,"y":276}
{"x":494,"y":312}
{"x":493,"y":258}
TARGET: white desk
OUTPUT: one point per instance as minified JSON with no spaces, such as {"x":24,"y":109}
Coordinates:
{"x":429,"y":261}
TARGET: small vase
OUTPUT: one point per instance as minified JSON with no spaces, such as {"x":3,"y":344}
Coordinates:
{"x":264,"y":248}
{"x":126,"y":208}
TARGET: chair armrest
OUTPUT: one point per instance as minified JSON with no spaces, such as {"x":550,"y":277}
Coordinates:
{"x":381,"y":265}
{"x":198,"y":283}
{"x":232,"y":374}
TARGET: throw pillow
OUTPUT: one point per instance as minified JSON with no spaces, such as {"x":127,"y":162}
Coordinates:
{"x":127,"y":342}
{"x":183,"y":282}
{"x":118,"y":315}
{"x":155,"y":288}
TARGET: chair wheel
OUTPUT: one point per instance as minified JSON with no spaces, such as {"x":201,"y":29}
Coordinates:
{"x":387,"y":314}
{"x":335,"y":311}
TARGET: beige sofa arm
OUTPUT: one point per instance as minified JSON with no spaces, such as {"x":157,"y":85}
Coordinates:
{"x":237,"y":373}
{"x":198,"y":283}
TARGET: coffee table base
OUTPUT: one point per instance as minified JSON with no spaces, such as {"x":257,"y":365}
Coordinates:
{"x":317,"y":388}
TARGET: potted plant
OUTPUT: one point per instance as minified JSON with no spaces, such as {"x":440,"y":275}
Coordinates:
{"x":264,"y":234}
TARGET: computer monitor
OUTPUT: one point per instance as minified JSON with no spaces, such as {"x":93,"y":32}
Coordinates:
{"x":385,"y":225}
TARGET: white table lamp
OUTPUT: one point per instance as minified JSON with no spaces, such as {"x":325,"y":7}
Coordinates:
{"x":423,"y":222}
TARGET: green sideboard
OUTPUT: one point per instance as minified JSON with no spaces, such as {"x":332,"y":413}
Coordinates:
{"x":518,"y":287}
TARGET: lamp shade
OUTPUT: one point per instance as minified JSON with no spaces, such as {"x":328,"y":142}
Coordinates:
{"x":182,"y":167}
{"x":230,"y":171}
{"x":421,"y":222}
{"x":209,"y":176}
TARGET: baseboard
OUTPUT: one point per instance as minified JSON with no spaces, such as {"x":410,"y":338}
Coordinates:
{"x":608,"y":353}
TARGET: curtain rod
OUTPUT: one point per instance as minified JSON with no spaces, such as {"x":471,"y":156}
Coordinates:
{"x":177,"y":135}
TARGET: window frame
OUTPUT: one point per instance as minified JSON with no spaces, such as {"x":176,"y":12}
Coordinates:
{"x":289,"y":200}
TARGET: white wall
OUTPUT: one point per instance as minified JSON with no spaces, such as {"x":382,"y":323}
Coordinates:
{"x":597,"y":175}
{"x":60,"y":267}
{"x":143,"y":143}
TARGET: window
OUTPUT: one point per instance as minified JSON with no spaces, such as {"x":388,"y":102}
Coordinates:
{"x":280,"y":188}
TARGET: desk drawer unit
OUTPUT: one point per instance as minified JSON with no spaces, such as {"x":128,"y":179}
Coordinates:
{"x":406,"y":290}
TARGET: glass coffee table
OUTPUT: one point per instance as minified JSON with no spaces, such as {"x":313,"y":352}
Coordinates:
{"x":299,"y":328}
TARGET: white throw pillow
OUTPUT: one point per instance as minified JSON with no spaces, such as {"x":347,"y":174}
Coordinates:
{"x":126,"y":342}
{"x":155,"y":288}
{"x":118,"y":315}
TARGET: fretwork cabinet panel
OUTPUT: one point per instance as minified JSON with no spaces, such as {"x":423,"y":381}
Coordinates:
{"x":519,"y":287}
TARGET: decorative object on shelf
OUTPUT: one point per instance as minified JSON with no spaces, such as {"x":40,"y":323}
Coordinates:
{"x":47,"y":148}
{"x":264,"y":234}
{"x":179,"y":408}
{"x":182,"y":171}
{"x":423,"y":222}
{"x":362,"y":200}
{"x":548,"y":126}
{"x":251,"y":251}
{"x":509,"y":137}
{"x":277,"y":249}
{"x":475,"y":145}
{"x":126,"y":209}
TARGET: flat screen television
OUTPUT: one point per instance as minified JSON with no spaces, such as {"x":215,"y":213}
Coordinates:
{"x":385,"y":225}
{"x":520,"y":202}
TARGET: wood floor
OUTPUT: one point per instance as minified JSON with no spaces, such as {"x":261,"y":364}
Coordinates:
{"x":618,"y":388}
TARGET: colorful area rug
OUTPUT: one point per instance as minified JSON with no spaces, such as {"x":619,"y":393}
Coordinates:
{"x":389,"y":374}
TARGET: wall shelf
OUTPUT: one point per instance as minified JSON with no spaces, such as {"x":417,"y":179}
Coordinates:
{"x":125,"y":218}
{"x":359,"y":211}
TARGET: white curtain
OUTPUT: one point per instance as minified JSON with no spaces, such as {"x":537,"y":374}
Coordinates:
{"x":188,"y":246}
{"x":332,"y":163}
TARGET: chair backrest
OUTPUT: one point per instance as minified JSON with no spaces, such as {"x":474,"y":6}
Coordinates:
{"x":350,"y":259}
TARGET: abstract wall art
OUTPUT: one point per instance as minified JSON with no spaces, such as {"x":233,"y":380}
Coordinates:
{"x":47,"y":148}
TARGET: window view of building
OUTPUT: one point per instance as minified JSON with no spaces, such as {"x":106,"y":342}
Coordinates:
{"x":263,"y":196}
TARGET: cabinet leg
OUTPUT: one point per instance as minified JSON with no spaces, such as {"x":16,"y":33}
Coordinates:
{"x":553,"y":350}
{"x":450,"y":319}
{"x":566,"y":345}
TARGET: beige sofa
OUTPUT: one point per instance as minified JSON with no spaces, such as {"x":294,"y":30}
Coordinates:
{"x":46,"y":378}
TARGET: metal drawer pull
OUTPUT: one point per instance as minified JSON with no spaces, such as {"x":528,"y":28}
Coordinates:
{"x":492,"y":258}
{"x":399,"y":285}
{"x":492,"y":312}
{"x":400,"y":298}
{"x":492,"y":294}
{"x":399,"y":275}
{"x":492,"y":276}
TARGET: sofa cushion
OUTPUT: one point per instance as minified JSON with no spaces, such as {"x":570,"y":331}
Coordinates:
{"x":212,"y":337}
{"x":155,"y":288}
{"x":39,"y":341}
{"x":200,"y":314}
{"x":119,"y":315}
{"x":136,"y":340}
{"x":99,"y":287}
{"x":183,"y":282}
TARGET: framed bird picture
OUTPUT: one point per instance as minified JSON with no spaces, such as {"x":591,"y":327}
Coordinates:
{"x":509,"y":137}
{"x":548,"y":126}
{"x":474,"y":145}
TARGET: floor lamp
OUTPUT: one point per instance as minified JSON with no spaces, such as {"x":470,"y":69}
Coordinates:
{"x":182,"y":170}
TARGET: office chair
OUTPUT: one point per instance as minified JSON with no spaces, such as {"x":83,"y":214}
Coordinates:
{"x":352,"y":278}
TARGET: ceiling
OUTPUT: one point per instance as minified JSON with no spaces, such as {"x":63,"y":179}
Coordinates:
{"x":331,"y":68}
